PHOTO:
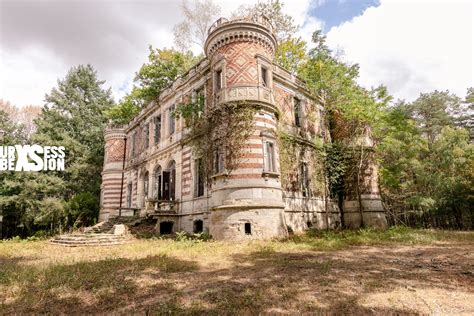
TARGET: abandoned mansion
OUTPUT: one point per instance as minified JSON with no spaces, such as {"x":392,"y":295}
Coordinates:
{"x":153,"y":167}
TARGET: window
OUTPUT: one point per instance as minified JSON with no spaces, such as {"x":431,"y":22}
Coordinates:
{"x":134,"y":143}
{"x":158,"y":183}
{"x":129,"y":195}
{"x":248,"y":229}
{"x":166,"y":228}
{"x":264,"y":74}
{"x":269,"y":156}
{"x":219,"y":162}
{"x":169,"y":179}
{"x":218,"y":79}
{"x":199,"y":178}
{"x":147,"y":135}
{"x":297,"y":111}
{"x":198,"y":226}
{"x":157,"y":129}
{"x":171,"y":120}
{"x":304,"y":179}
{"x":145,"y":184}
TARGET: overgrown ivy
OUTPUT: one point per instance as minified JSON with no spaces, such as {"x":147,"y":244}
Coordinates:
{"x":224,"y":128}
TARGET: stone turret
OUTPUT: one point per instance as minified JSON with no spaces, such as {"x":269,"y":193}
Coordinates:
{"x":112,"y":173}
{"x":362,"y":203}
{"x":247,"y":203}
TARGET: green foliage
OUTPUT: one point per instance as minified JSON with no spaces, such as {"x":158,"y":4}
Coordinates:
{"x":291,"y":53}
{"x":73,"y":117}
{"x":164,"y":66}
{"x":83,"y":208}
{"x":283,"y":24}
{"x":225,"y":128}
{"x":432,"y":111}
{"x":427,"y":174}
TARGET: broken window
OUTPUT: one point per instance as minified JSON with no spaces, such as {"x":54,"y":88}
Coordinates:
{"x":248,"y":229}
{"x":198,"y":226}
{"x":157,"y":129}
{"x":218,"y":79}
{"x":297,"y":111}
{"x":219,"y":162}
{"x":169,"y":179}
{"x":145,"y":184}
{"x":134,"y":144}
{"x":158,"y":183}
{"x":166,"y":228}
{"x":264,"y":74}
{"x":129,"y":195}
{"x":199,"y":176}
{"x":171,"y":120}
{"x":269,"y":156}
{"x":304,"y":179}
{"x":147,"y":135}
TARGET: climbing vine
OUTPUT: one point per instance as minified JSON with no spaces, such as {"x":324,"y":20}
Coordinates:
{"x":295,"y":150}
{"x":222,"y":129}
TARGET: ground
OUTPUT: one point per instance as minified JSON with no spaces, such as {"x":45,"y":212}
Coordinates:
{"x":401,"y":271}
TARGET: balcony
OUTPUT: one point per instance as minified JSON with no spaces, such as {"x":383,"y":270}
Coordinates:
{"x":245,"y":93}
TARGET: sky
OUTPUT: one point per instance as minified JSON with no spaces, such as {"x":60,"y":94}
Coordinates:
{"x":411,"y":46}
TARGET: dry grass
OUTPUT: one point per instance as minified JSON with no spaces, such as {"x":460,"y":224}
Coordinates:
{"x":397,"y":271}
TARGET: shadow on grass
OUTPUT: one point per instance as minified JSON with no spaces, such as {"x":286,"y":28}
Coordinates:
{"x":95,"y":286}
{"x":265,"y":281}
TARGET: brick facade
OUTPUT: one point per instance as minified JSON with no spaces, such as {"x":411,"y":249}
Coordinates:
{"x":161,"y":179}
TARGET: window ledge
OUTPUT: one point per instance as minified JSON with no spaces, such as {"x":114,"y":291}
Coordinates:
{"x":270,"y":174}
{"x":220,"y":175}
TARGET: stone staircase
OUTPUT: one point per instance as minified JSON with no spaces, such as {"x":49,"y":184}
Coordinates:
{"x":115,"y":231}
{"x":89,"y":239}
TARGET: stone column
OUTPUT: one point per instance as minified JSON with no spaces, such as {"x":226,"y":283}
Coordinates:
{"x":113,"y":186}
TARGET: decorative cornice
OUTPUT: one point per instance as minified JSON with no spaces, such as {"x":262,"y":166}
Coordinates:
{"x":226,"y":32}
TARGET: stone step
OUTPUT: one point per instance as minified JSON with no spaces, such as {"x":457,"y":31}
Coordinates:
{"x":89,"y":239}
{"x":87,"y":244}
{"x":98,"y":240}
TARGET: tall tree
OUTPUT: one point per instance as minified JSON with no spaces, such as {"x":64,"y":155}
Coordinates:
{"x":283,"y":24}
{"x":163,"y":67}
{"x":197,"y":20}
{"x":432,"y":111}
{"x":73,"y":117}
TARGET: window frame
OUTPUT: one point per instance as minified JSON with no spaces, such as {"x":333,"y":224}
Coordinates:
{"x":171,"y":120}
{"x":147,"y":135}
{"x":269,"y":157}
{"x":157,"y":134}
{"x":218,"y":75}
{"x":297,"y":113}
{"x":305,"y":179}
{"x":199,"y":178}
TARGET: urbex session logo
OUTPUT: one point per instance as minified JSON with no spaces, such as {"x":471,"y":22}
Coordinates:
{"x":32,"y":158}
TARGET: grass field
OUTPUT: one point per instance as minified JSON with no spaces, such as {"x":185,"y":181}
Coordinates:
{"x":366,"y":272}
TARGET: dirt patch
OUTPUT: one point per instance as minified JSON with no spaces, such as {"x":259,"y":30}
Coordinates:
{"x":164,"y":276}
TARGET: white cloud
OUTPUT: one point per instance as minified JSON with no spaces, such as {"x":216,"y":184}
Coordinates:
{"x":41,"y":40}
{"x":411,"y":46}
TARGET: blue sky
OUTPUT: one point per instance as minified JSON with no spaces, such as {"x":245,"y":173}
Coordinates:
{"x":336,"y":12}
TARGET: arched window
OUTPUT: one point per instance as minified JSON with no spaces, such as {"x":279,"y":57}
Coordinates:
{"x":157,"y":180}
{"x":169,"y":182}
